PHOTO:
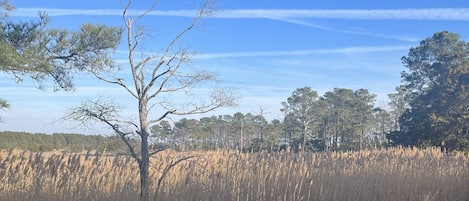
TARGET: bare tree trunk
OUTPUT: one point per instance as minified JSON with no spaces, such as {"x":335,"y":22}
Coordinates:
{"x":241,"y":137}
{"x":145,"y":153}
{"x":304,"y":136}
{"x":144,"y":166}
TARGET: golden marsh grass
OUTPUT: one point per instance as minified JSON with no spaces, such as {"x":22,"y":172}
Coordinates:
{"x":394,"y":174}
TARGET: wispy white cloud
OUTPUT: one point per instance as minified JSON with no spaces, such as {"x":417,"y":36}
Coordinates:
{"x":458,"y":14}
{"x":300,"y":52}
{"x":453,"y":14}
{"x":293,"y":16}
{"x":363,"y":33}
{"x":32,"y":12}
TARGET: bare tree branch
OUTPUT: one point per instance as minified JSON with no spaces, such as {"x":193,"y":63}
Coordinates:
{"x":162,"y":116}
{"x":131,"y":47}
{"x":219,"y":98}
{"x":199,"y":15}
{"x":144,"y":61}
{"x":105,"y":112}
{"x":119,"y":82}
{"x":156,"y":151}
{"x":167,"y":169}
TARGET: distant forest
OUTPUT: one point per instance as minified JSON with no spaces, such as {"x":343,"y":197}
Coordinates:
{"x":64,"y":142}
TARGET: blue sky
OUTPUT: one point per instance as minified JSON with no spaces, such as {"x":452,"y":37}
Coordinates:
{"x":264,"y":49}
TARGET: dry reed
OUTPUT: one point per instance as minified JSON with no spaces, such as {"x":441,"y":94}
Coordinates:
{"x":394,"y":174}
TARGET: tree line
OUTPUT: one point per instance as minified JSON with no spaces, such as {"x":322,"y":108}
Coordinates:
{"x":59,"y":141}
{"x":342,"y":119}
{"x":429,"y":108}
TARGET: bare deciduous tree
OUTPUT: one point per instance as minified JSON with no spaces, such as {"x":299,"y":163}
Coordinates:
{"x":153,"y":77}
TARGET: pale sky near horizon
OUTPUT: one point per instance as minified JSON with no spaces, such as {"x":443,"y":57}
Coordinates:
{"x":264,"y":49}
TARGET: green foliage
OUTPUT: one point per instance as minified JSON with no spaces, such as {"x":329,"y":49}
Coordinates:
{"x":301,"y":107}
{"x":346,"y":119}
{"x":437,"y":90}
{"x":342,"y":119}
{"x":33,"y":49}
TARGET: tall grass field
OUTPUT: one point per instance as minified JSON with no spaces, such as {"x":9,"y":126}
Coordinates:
{"x":394,"y":174}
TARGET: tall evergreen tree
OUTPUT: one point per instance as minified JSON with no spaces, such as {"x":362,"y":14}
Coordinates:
{"x":300,"y":108}
{"x":347,"y":115}
{"x":437,"y":88}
